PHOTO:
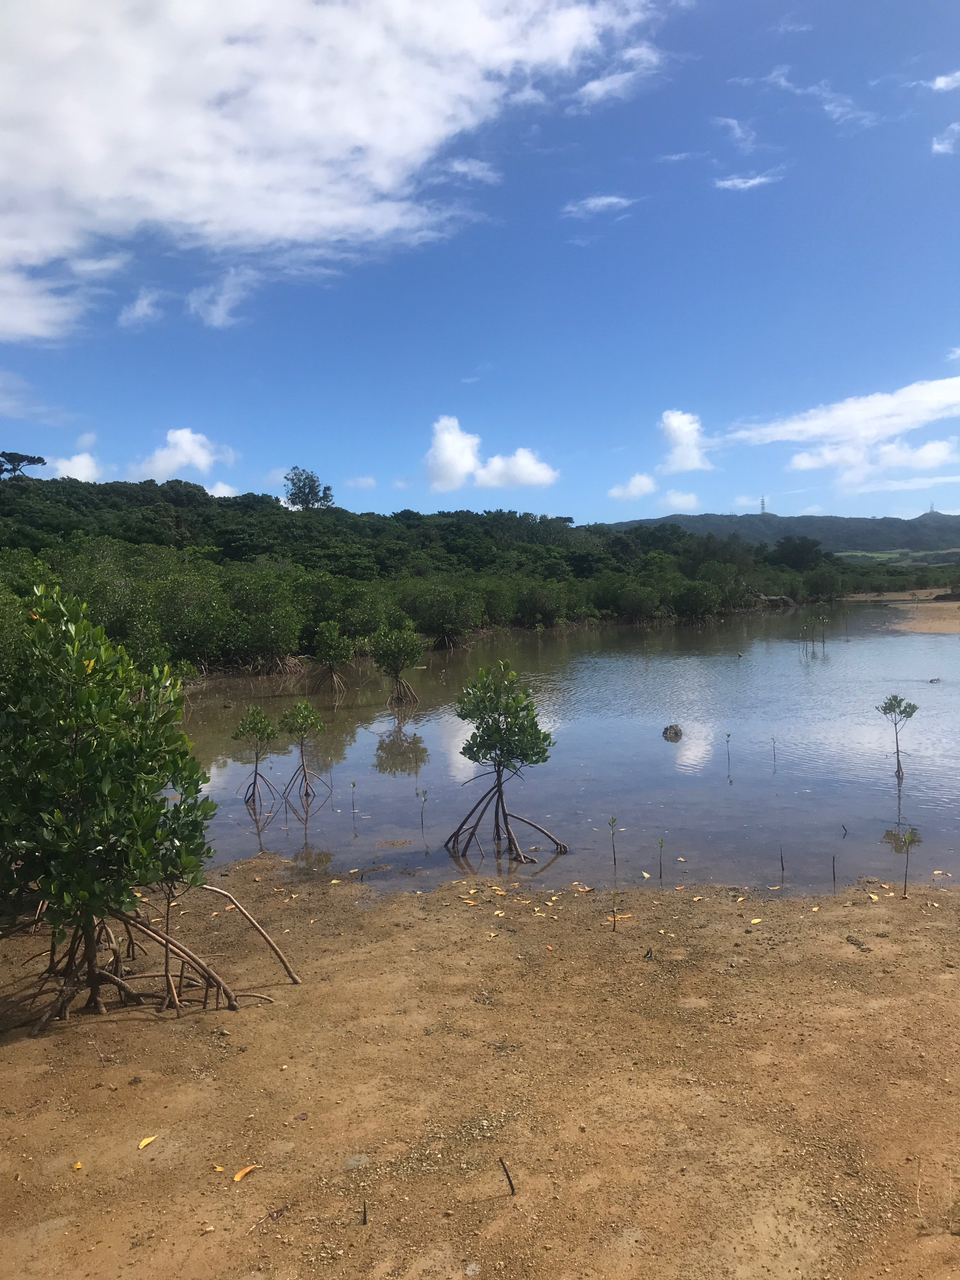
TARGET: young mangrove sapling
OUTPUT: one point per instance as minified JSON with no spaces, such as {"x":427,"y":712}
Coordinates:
{"x":507,"y":739}
{"x":102,"y":800}
{"x":393,"y":652}
{"x":256,"y":728}
{"x":898,"y":712}
{"x":303,"y":723}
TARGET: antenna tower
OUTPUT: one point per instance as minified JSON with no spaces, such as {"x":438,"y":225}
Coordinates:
{"x":763,"y":506}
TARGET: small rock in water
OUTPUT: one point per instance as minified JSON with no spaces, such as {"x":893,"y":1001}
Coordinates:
{"x":673,"y":733}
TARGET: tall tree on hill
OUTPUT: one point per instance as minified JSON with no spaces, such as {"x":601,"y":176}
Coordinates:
{"x":305,"y":492}
{"x":12,"y":464}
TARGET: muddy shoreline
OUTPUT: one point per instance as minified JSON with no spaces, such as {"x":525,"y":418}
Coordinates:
{"x":730,"y":1085}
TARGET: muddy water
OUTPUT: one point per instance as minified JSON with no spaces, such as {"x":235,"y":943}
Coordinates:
{"x":781,"y":746}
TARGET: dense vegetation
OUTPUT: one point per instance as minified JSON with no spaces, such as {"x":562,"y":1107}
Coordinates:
{"x":177,"y":575}
{"x":932,"y":537}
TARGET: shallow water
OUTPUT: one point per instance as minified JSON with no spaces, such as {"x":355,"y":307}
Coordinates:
{"x":808,"y":764}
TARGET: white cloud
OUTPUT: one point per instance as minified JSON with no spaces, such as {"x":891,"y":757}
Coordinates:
{"x":222,"y":490}
{"x":815,"y":510}
{"x":685,"y":436}
{"x":745,"y":500}
{"x":282,"y":131}
{"x":144,"y":308}
{"x":17,"y":401}
{"x":674,"y":500}
{"x":681,"y":155}
{"x":454,"y":456}
{"x":638,"y":486}
{"x":521,"y":468}
{"x":746,"y":182}
{"x":953,"y":353}
{"x":741,"y":135}
{"x":860,"y":436}
{"x":214,"y":303}
{"x":593,"y":205}
{"x":184,"y":448}
{"x":945,"y":144}
{"x":618,"y":85}
{"x":864,"y":419}
{"x":943,"y":84}
{"x":82,"y":466}
{"x":787,"y":27}
{"x":919,"y":482}
{"x":475,"y":171}
{"x":362,"y":482}
{"x":840,"y":107}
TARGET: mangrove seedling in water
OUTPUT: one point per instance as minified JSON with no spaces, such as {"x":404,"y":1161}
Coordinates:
{"x":507,"y":739}
{"x":903,"y":842}
{"x":257,"y":729}
{"x":612,"y":822}
{"x":333,"y":650}
{"x":898,"y":712}
{"x":393,"y":652}
{"x":304,"y":724}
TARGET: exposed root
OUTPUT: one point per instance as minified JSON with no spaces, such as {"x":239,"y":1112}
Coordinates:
{"x":458,"y":844}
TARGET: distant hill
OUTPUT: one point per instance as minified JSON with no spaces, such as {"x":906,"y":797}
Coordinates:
{"x":929,"y":532}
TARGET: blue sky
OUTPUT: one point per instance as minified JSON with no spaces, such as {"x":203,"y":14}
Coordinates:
{"x":600,"y":259}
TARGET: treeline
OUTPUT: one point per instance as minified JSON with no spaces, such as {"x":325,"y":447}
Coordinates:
{"x":180,"y":576}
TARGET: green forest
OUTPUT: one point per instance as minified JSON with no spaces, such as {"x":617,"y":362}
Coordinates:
{"x":184,"y":578}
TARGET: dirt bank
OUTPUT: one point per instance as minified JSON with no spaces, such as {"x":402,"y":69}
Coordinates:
{"x":918,"y":611}
{"x":731,"y":1086}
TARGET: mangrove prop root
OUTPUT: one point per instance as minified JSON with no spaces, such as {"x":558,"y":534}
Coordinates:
{"x":182,"y":952}
{"x":560,"y":846}
{"x":259,"y":928}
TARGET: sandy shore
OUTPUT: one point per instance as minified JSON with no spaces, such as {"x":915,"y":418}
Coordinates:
{"x":730,"y":1086}
{"x":919,"y":612}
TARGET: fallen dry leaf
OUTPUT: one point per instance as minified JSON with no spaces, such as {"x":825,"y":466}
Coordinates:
{"x":873,"y":897}
{"x":774,"y":887}
{"x":78,"y":1165}
{"x":242,"y":1173}
{"x":680,"y":888}
{"x":759,"y":920}
{"x":741,"y":899}
{"x":645,"y":874}
{"x":498,"y":913}
{"x":681,"y":859}
{"x":698,"y":899}
{"x":549,"y":948}
{"x":334,"y":881}
{"x":218,"y":1168}
{"x":814,"y":908}
{"x":145,"y":1142}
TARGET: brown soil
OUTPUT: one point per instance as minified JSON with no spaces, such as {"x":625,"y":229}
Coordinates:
{"x":919,"y":612}
{"x":769,"y":1094}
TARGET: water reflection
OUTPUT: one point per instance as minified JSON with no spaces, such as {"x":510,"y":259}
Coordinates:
{"x":809,"y":754}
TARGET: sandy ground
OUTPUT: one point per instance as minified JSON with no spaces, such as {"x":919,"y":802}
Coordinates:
{"x":731,"y":1085}
{"x":919,"y":612}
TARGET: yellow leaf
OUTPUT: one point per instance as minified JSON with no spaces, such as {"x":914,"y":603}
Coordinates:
{"x":698,"y":899}
{"x":645,"y":874}
{"x":938,"y":873}
{"x":884,"y":886}
{"x":78,"y":1165}
{"x":334,"y":881}
{"x":889,"y":895}
{"x":89,"y":665}
{"x":774,"y":887}
{"x":759,"y":920}
{"x":218,"y":1168}
{"x":233,"y":908}
{"x":498,"y":913}
{"x":873,"y":897}
{"x":145,"y":1142}
{"x":242,"y":1173}
{"x":741,"y":899}
{"x":814,"y":908}
{"x":681,"y":859}
{"x":680,"y":888}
